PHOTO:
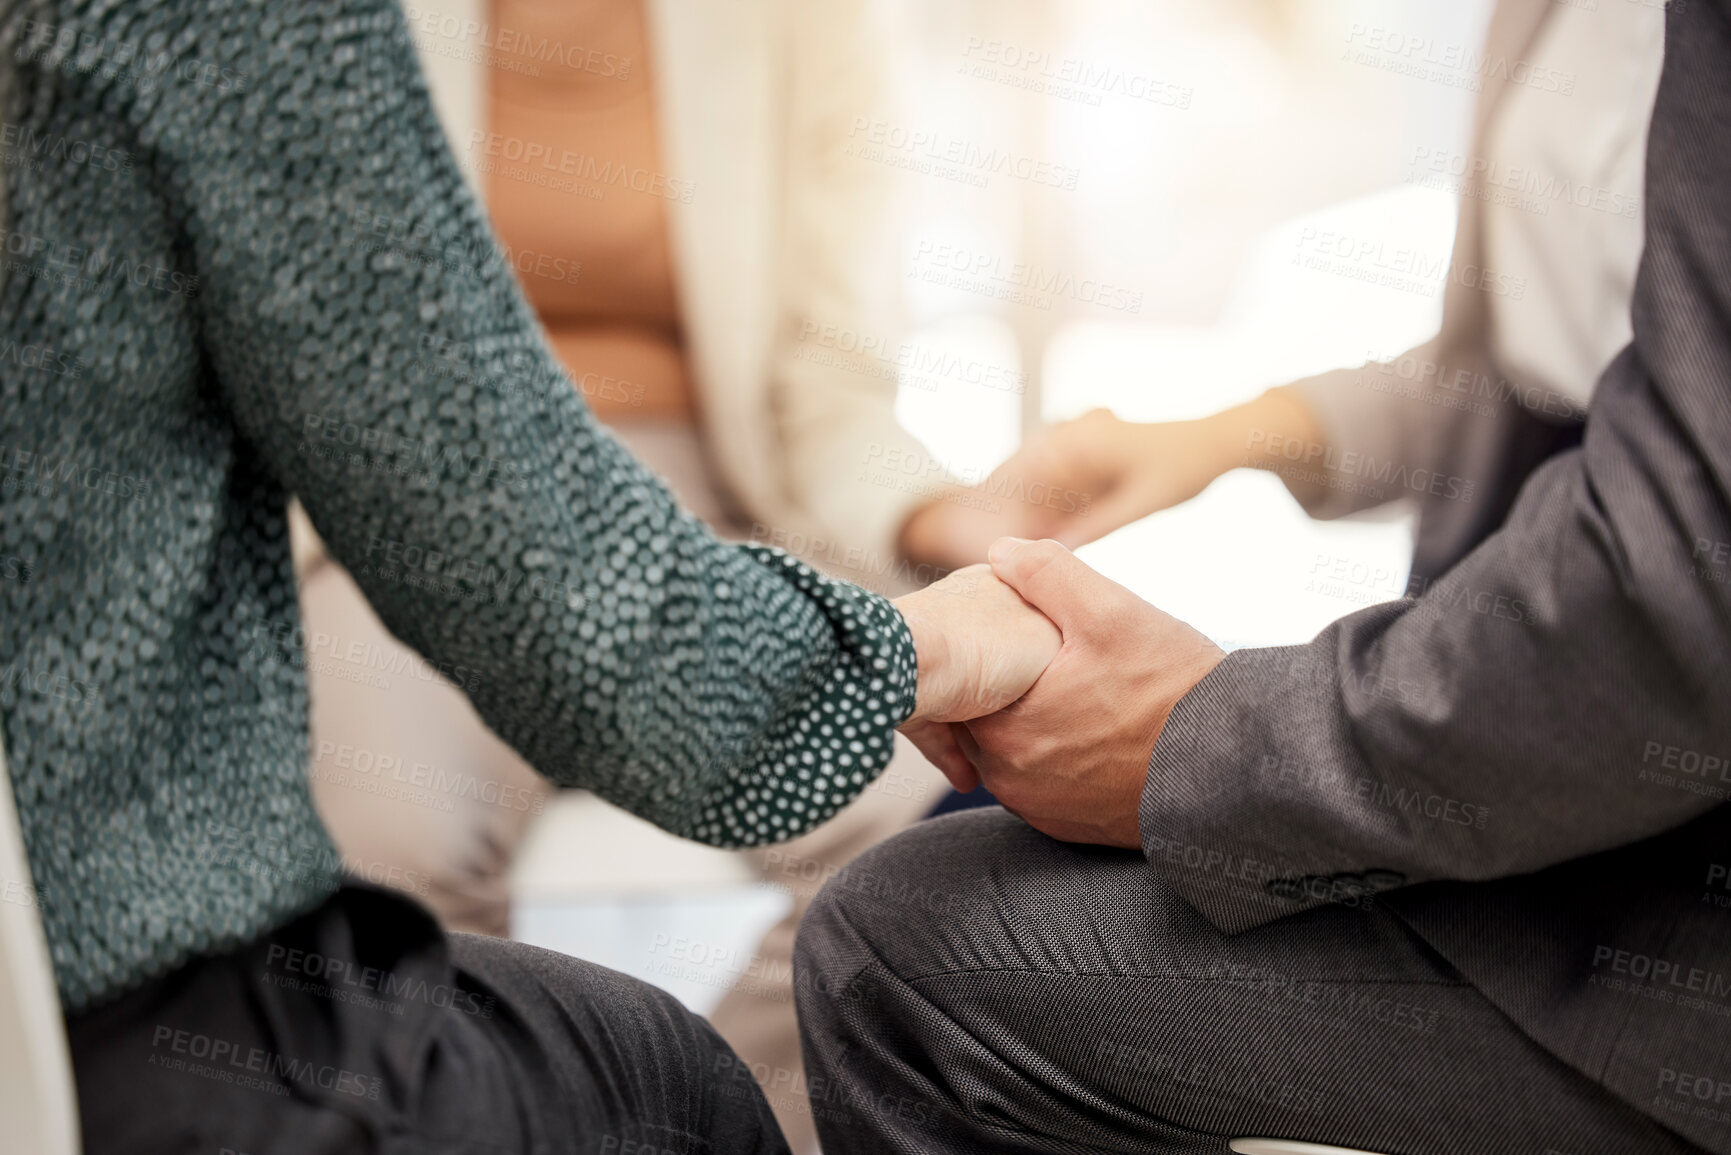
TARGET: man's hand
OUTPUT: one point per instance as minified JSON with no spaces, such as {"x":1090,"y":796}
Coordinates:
{"x":979,"y":647}
{"x":1071,"y":757}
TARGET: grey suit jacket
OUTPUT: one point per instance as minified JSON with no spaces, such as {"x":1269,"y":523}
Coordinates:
{"x":1528,"y":762}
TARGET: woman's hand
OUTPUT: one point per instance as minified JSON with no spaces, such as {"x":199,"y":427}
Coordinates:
{"x":979,"y":647}
{"x":1079,"y":481}
{"x":1074,"y":483}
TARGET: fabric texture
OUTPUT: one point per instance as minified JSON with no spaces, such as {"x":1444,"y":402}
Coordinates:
{"x":287,"y":288}
{"x":456,"y":862}
{"x":973,"y":985}
{"x":361,"y":1028}
{"x":1527,"y":762}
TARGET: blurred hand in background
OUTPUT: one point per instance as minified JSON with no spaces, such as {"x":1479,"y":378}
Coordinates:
{"x":1078,"y":481}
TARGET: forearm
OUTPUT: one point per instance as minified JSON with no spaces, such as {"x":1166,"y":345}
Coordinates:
{"x":1275,"y":431}
{"x":354,"y":301}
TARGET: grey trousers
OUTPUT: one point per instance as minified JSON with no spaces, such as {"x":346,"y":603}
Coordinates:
{"x":972,"y":985}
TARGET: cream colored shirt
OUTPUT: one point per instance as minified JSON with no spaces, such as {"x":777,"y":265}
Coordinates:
{"x":1565,"y":189}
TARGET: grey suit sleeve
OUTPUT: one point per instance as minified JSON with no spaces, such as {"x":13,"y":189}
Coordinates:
{"x":1559,"y":692}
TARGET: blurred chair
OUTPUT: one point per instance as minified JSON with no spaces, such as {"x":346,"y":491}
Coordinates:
{"x":36,"y":1100}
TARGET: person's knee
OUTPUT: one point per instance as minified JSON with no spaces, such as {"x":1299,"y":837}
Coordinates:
{"x":901,"y":903}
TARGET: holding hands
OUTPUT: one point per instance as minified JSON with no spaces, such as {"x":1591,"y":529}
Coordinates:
{"x":1049,"y":683}
{"x":1062,"y":733}
{"x":1080,"y":480}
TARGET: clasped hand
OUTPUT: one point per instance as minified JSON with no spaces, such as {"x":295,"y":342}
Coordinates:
{"x":1050,"y":684}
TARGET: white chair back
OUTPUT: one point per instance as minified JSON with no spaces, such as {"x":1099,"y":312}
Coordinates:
{"x":37,"y":1105}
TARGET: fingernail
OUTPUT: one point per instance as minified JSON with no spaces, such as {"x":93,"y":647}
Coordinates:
{"x":1004,"y":547}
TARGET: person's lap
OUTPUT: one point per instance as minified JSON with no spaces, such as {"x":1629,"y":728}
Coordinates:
{"x":974,"y":985}
{"x":363,"y":1027}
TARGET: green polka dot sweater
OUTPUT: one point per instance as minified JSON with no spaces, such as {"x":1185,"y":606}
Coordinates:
{"x":240,"y":264}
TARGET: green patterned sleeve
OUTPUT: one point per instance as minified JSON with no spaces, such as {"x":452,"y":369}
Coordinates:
{"x":377,"y":355}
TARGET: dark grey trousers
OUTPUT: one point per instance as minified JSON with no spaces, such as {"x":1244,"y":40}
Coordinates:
{"x":973,"y":985}
{"x":363,"y":1028}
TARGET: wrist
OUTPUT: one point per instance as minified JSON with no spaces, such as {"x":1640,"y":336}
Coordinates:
{"x":1277,"y":418}
{"x":930,"y":657}
{"x":1221,"y":442}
